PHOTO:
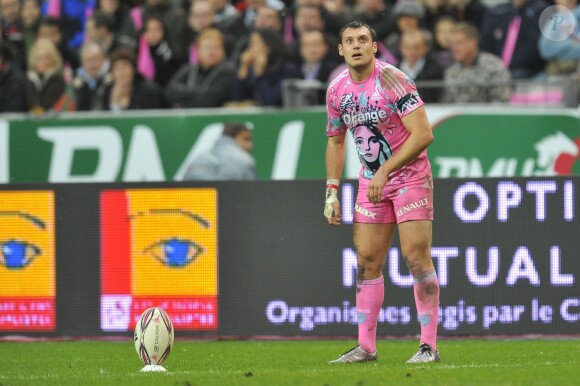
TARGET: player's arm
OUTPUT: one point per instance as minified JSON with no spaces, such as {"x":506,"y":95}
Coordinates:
{"x":335,"y":154}
{"x":418,"y":125}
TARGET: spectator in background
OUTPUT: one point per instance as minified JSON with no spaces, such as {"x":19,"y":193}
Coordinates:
{"x":30,"y":22}
{"x":563,"y":55}
{"x":50,"y":28}
{"x":471,"y":11}
{"x":101,"y":32}
{"x":163,"y":60}
{"x":263,"y":66}
{"x":377,"y":14}
{"x":474,"y":77}
{"x":225,"y":12}
{"x":129,"y":90}
{"x":408,"y":17}
{"x":229,"y":159}
{"x":122,"y":25}
{"x":418,"y":63}
{"x":173,"y":16}
{"x":266,"y":17}
{"x":443,"y":28}
{"x":434,"y":9}
{"x":310,"y":17}
{"x":45,"y":86}
{"x":201,"y":17}
{"x":12,"y":30}
{"x":512,"y":32}
{"x":12,"y":82}
{"x":92,"y":78}
{"x":316,"y":63}
{"x":207,"y":83}
{"x":73,"y":16}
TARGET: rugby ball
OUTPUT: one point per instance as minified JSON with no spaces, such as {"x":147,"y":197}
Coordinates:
{"x":153,"y":336}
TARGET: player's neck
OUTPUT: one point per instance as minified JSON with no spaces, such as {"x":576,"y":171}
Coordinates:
{"x":360,"y":74}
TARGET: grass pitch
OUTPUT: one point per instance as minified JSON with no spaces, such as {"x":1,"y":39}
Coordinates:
{"x":224,"y":363}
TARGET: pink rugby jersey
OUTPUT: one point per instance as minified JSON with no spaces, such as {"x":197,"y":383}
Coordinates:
{"x":372,"y":111}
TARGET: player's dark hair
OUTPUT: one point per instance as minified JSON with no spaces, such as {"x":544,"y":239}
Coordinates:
{"x":356,"y":25}
{"x":232,"y":129}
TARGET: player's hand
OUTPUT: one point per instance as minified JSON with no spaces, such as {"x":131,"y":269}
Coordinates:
{"x":332,"y":205}
{"x":376,"y":186}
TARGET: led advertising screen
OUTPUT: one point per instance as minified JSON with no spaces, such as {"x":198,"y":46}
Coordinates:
{"x":267,"y":263}
{"x":159,"y":248}
{"x":27,"y":261}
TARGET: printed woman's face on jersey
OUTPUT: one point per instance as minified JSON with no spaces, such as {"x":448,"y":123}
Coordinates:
{"x":367,"y":143}
{"x":357,"y":47}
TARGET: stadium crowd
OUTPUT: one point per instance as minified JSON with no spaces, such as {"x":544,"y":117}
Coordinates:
{"x":87,"y":55}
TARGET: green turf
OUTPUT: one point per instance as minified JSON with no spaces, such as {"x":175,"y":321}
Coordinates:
{"x":224,"y":363}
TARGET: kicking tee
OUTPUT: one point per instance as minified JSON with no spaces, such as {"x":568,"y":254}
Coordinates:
{"x":372,"y":111}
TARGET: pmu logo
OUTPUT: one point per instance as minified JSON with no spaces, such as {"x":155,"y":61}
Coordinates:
{"x":171,"y":250}
{"x":19,"y":252}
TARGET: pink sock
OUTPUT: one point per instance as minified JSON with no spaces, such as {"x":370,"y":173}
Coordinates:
{"x":426,"y":290}
{"x":369,"y":299}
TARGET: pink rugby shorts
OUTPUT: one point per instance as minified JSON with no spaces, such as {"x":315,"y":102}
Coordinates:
{"x":399,"y":203}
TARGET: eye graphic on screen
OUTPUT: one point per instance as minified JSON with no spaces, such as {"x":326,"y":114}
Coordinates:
{"x":174,"y":252}
{"x":15,"y":253}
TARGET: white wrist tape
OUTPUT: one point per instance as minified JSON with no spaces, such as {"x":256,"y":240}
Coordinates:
{"x":331,"y":197}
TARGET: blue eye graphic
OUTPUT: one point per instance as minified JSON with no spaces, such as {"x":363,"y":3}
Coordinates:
{"x":15,"y":254}
{"x":174,"y":252}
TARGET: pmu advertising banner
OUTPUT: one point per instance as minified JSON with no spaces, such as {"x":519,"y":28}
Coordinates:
{"x":27,"y":261}
{"x":231,"y":259}
{"x":469,"y":143}
{"x":159,"y":248}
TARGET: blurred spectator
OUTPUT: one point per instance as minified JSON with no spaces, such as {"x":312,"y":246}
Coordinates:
{"x":434,"y":9}
{"x":208,"y":83}
{"x":263,"y":66}
{"x":266,"y":17}
{"x":474,"y":76}
{"x":129,"y":89}
{"x":316,"y":63}
{"x":73,"y":16}
{"x":30,"y":22}
{"x":12,"y":82}
{"x":419,"y":64}
{"x":512,"y":32}
{"x":201,"y":17}
{"x":409,"y":16}
{"x":50,"y":28}
{"x":101,"y":32}
{"x":122,"y":24}
{"x":243,"y":23}
{"x":376,"y":13}
{"x":471,"y":11}
{"x":443,"y":28}
{"x":562,"y":55}
{"x":45,"y":86}
{"x":163,"y":60}
{"x":310,"y":17}
{"x":12,"y":30}
{"x":173,"y":16}
{"x":92,"y":78}
{"x":229,"y":159}
{"x":225,"y":12}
